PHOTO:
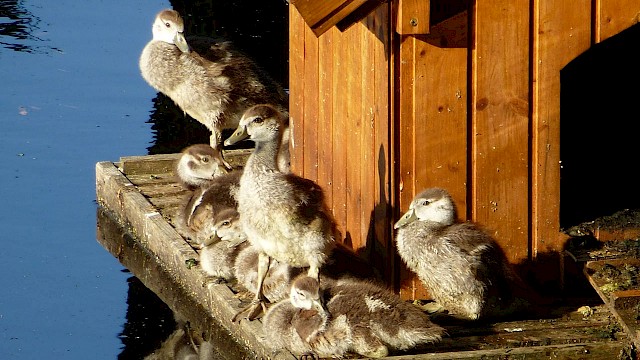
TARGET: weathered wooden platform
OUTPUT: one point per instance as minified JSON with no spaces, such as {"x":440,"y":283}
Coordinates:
{"x":140,"y":194}
{"x":613,"y":269}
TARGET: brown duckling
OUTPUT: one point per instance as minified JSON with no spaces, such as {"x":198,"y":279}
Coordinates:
{"x":197,"y":213}
{"x":283,"y":214}
{"x":198,"y":165}
{"x":205,"y":77}
{"x":306,"y":329}
{"x":219,"y":251}
{"x":347,"y":315}
{"x":460,"y":264}
{"x":277,"y":282}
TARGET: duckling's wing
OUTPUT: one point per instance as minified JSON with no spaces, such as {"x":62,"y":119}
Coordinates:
{"x":210,"y":48}
{"x":306,"y":191}
{"x":468,"y":238}
{"x":220,"y":195}
{"x":489,"y":258}
{"x":249,"y":83}
{"x":308,"y":198}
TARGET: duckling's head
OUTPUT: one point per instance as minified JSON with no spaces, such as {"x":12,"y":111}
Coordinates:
{"x":169,"y":27}
{"x":226,"y":227}
{"x":305,"y":294}
{"x":433,"y":205}
{"x":260,"y":123}
{"x":199,"y":164}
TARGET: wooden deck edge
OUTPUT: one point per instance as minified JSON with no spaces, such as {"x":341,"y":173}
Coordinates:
{"x":133,"y":210}
{"x":568,"y":351}
{"x":625,"y":317}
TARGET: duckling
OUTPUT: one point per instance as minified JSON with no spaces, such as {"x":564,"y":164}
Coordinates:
{"x":338,"y":316}
{"x":205,"y":77}
{"x":304,"y":327}
{"x":460,"y":264}
{"x":198,"y":210}
{"x":219,"y":251}
{"x":198,"y":165}
{"x":283,"y":214}
{"x":212,"y":186}
{"x":277,"y":282}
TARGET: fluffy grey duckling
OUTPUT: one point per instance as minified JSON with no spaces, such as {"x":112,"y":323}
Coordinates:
{"x":459,"y":263}
{"x":219,"y":251}
{"x":205,"y":77}
{"x":283,"y":215}
{"x":332,"y":318}
{"x":277,"y":282}
{"x":198,"y":165}
{"x":196,"y":215}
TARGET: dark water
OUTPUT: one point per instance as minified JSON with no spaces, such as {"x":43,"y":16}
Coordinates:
{"x":71,"y":95}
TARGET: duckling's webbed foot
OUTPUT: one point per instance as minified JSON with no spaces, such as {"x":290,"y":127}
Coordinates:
{"x":254,"y":310}
{"x":432,"y":307}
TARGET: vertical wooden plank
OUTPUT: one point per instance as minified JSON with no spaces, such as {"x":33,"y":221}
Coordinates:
{"x":325,"y":114}
{"x":441,"y":121}
{"x":395,"y":160}
{"x":353,"y":132}
{"x":340,"y":128}
{"x":500,"y":120}
{"x":312,"y":138}
{"x":405,"y":138}
{"x":383,"y":252}
{"x":410,"y":286}
{"x":296,"y":88}
{"x":561,"y":32}
{"x":615,"y":16}
{"x":367,"y":164}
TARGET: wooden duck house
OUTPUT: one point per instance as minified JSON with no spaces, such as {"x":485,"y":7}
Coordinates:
{"x":403,"y":95}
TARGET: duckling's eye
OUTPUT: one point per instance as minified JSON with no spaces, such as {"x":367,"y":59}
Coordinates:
{"x":258,"y":120}
{"x":167,"y":24}
{"x":226,"y":223}
{"x":205,"y":159}
{"x":426,"y":202}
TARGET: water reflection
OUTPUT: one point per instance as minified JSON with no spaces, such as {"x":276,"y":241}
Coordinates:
{"x":180,"y":345}
{"x":148,"y":321}
{"x":173,"y":130}
{"x":163,"y":322}
{"x":20,"y":26}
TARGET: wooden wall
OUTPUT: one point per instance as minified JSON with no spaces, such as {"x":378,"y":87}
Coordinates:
{"x":339,"y":101}
{"x":474,"y":106}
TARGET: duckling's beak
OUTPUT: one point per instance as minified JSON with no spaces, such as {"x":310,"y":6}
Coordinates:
{"x":235,"y":242}
{"x":214,"y":238}
{"x":240,"y":134}
{"x":221,"y":171}
{"x":319,"y":306}
{"x":408,"y":217}
{"x":180,"y":41}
